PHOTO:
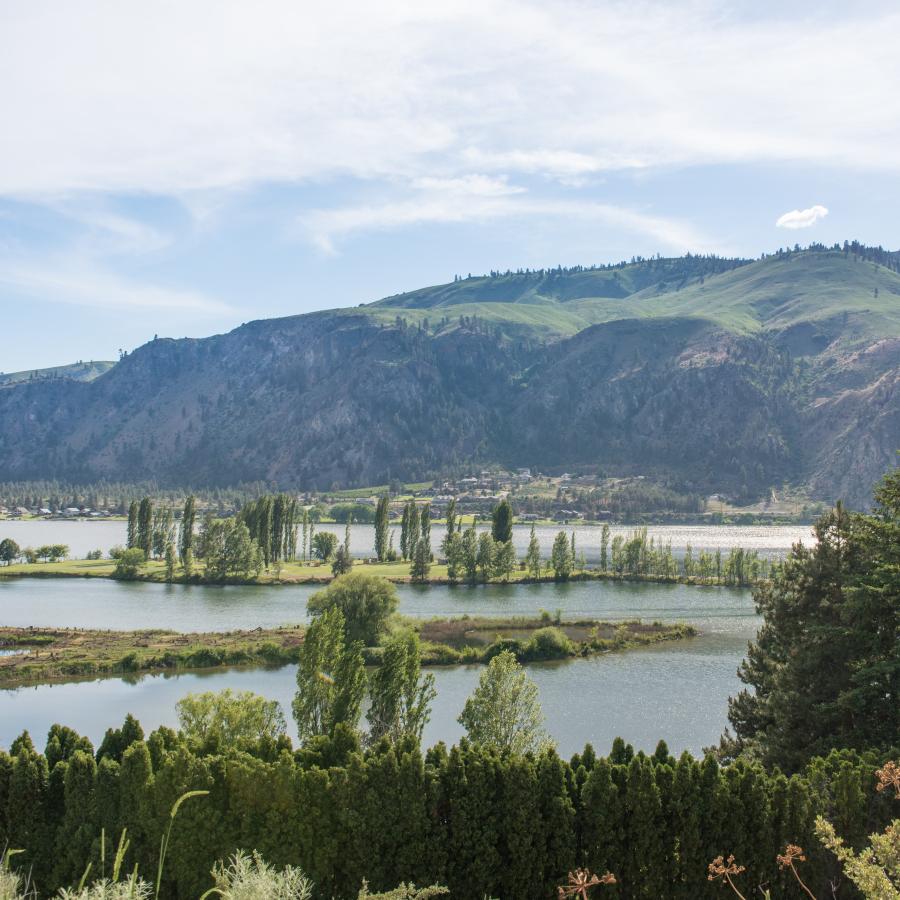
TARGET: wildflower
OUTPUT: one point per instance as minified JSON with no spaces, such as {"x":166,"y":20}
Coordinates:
{"x":793,"y":853}
{"x":888,"y":777}
{"x":581,"y":881}
{"x":720,"y":870}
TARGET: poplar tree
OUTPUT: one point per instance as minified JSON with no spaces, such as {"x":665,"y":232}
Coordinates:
{"x":421,"y":564}
{"x":404,"y":532}
{"x":331,"y":678}
{"x":400,"y":697}
{"x":131,"y":539}
{"x":504,"y":711}
{"x":187,"y":527}
{"x":382,"y":519}
{"x":144,"y":538}
{"x":426,"y":530}
{"x":533,"y":556}
{"x":170,"y":562}
{"x":305,"y":533}
{"x":451,"y":518}
{"x":561,"y":557}
{"x":347,"y":537}
{"x":604,"y":547}
{"x":412,"y":539}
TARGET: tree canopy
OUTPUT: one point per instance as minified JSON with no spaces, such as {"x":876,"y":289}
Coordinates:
{"x":366,"y":602}
{"x":825,"y":667}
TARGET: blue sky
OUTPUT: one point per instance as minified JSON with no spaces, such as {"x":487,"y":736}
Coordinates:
{"x":179,"y":168}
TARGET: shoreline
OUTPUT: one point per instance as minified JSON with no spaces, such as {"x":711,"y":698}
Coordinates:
{"x":104,"y":569}
{"x":57,"y":655}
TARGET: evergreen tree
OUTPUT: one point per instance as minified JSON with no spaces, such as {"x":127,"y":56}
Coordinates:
{"x":341,"y":564}
{"x":502,"y":522}
{"x":825,"y":666}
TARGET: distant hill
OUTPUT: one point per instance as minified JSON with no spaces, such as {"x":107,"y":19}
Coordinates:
{"x":80,"y":371}
{"x":714,"y":375}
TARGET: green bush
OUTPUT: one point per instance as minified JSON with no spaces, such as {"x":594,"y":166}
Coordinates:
{"x":549,"y":643}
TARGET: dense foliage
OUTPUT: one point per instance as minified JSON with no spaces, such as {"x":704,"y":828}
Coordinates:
{"x":825,"y":667}
{"x":485,"y":824}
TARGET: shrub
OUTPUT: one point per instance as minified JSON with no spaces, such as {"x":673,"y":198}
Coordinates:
{"x":129,"y":564}
{"x":247,"y":876}
{"x":549,"y":643}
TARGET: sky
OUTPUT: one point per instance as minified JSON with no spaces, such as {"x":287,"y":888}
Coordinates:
{"x":179,"y":168}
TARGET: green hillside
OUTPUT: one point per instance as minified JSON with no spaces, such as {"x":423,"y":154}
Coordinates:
{"x":832,"y":291}
{"x":79,"y":371}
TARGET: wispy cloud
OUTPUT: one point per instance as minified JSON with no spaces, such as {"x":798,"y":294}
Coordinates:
{"x":116,"y":97}
{"x":801,"y":218}
{"x":74,"y":282}
{"x":479,"y":200}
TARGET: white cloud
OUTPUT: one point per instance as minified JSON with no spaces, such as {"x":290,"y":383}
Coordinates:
{"x":174,"y":97}
{"x":441,"y":204}
{"x":801,"y":218}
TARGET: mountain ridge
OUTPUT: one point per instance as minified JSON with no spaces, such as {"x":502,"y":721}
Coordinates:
{"x":779,"y":370}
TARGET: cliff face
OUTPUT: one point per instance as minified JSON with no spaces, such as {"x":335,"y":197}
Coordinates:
{"x":681,"y":387}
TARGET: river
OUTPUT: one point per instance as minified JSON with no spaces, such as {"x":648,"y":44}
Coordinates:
{"x":674,"y":691}
{"x":770,"y":541}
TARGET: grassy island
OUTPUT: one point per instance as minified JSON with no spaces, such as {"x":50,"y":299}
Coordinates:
{"x":295,"y":572}
{"x":60,"y":654}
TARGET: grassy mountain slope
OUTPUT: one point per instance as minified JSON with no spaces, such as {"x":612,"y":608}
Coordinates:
{"x":718,"y":375}
{"x":80,"y":371}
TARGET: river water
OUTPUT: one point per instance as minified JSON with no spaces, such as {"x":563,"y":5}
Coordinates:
{"x":770,"y":541}
{"x":674,"y":691}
